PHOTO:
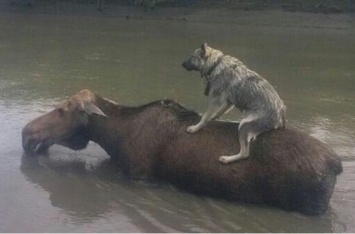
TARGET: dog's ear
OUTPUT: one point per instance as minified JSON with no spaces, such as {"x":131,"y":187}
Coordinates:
{"x":204,"y":47}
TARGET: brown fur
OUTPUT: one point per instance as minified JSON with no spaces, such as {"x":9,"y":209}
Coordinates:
{"x":289,"y":169}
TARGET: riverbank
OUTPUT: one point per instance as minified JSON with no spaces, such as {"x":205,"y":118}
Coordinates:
{"x":314,"y":6}
{"x":211,"y":12}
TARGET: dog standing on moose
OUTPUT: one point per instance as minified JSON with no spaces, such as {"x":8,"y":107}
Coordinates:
{"x":230,"y":83}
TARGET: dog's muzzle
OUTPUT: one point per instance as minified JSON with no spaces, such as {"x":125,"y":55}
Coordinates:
{"x":186,"y":66}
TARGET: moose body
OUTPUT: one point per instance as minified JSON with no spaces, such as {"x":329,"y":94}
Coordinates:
{"x":289,"y":169}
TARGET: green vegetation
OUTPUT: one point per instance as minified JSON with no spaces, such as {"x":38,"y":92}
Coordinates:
{"x":149,"y":3}
{"x":324,"y":6}
{"x":316,"y":6}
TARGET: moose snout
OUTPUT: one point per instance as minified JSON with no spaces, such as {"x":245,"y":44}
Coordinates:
{"x":32,"y":142}
{"x":27,"y":140}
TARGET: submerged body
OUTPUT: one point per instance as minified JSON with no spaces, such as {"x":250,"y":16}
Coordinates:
{"x":231,"y":83}
{"x":289,"y":169}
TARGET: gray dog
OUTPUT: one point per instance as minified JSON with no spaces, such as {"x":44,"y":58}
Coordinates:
{"x":230,"y":83}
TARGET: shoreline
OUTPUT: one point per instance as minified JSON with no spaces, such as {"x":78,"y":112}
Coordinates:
{"x":218,"y":15}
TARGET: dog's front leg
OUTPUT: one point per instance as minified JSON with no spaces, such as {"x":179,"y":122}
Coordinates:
{"x":225,"y":108}
{"x":212,"y":109}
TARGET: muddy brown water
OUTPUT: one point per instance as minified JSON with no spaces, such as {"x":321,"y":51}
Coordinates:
{"x":44,"y":59}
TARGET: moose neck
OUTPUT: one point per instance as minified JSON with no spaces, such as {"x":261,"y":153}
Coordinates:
{"x":110,"y":108}
{"x":109,"y":132}
{"x":105,"y":130}
{"x":113,"y":131}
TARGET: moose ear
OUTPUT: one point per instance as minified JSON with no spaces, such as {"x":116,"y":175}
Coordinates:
{"x":204,"y":47}
{"x":91,"y":108}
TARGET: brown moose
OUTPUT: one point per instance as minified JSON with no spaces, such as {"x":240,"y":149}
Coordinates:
{"x":288,"y":169}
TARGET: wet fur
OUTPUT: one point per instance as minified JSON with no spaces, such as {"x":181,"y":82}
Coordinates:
{"x":231,"y":83}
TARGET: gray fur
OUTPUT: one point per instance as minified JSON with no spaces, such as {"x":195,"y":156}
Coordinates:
{"x":230,"y":84}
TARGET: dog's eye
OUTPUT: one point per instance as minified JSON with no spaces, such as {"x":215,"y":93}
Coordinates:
{"x":195,"y":59}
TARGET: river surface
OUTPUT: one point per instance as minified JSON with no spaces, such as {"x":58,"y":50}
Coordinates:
{"x":46,"y":58}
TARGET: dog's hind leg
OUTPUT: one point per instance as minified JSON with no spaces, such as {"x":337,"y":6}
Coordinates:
{"x":244,"y":142}
{"x":247,"y":133}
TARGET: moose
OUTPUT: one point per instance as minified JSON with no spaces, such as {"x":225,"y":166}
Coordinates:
{"x":288,"y":169}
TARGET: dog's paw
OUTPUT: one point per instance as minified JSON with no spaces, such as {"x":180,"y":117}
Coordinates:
{"x":192,"y":129}
{"x":232,"y":158}
{"x":224,"y":159}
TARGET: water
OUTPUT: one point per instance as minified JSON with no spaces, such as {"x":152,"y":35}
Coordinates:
{"x":46,"y":58}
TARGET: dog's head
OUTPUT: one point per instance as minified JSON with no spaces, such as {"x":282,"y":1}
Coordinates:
{"x":197,"y":60}
{"x":202,"y":59}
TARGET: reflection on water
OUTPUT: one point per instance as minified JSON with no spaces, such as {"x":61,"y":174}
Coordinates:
{"x":87,"y":196}
{"x":44,"y":59}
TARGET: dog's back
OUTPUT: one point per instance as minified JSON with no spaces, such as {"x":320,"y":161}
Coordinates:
{"x":247,"y":90}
